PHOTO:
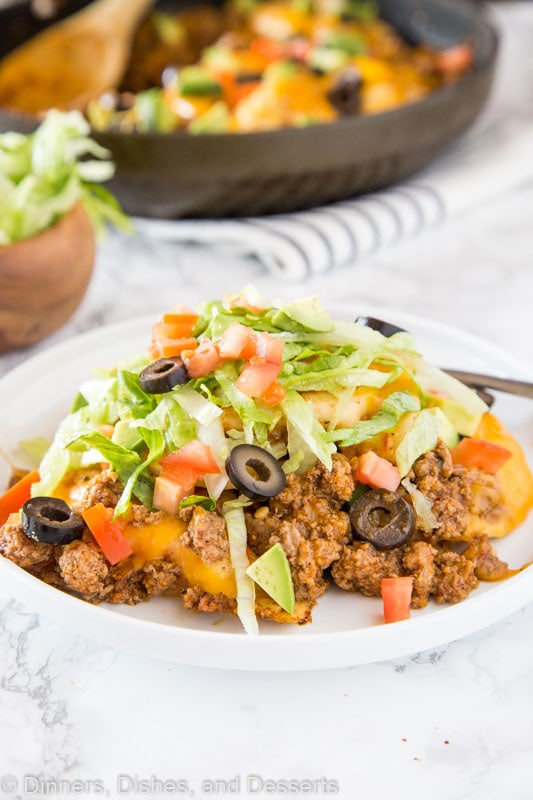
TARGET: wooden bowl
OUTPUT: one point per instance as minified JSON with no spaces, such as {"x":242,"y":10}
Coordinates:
{"x":43,"y":279}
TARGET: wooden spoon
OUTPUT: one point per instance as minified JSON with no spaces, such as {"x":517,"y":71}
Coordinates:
{"x":69,"y":64}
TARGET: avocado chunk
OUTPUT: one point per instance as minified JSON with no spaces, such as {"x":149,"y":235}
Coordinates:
{"x":308,"y":313}
{"x":272,"y":573}
{"x":215,"y":120}
{"x":347,"y":42}
{"x":326,"y":59}
{"x":197,"y":82}
{"x":152,"y":112}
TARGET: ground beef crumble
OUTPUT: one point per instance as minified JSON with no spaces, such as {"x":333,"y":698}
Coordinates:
{"x":85,"y":570}
{"x":27,"y":553}
{"x":102,"y":487}
{"x":206,"y":534}
{"x":306,"y":518}
{"x":445,"y":575}
{"x":134,"y":584}
{"x":487,"y":565}
{"x":82,"y":568}
{"x":438,"y":570}
{"x":454,"y":577}
{"x":456,"y":493}
{"x":309,"y":519}
{"x":361,"y":567}
{"x":139,"y":516}
{"x":418,"y":560}
{"x":199,"y":600}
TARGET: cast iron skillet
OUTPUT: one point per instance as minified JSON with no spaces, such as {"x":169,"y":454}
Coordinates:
{"x":220,"y":175}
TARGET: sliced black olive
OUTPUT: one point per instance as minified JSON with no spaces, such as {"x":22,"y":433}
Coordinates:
{"x":50,"y":520}
{"x":163,"y":375}
{"x":382,"y":518}
{"x":255,"y":472}
{"x":345,"y":94}
{"x":248,"y":77}
{"x":386,"y":328}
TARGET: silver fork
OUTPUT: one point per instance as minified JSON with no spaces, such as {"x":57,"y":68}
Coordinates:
{"x":478,"y":381}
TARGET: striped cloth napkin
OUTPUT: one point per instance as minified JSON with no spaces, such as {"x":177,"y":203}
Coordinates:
{"x":487,"y":163}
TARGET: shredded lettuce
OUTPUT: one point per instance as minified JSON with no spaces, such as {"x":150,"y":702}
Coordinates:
{"x":34,"y":450}
{"x":301,"y":456}
{"x":423,"y":506}
{"x":429,"y":426}
{"x":233,"y":513}
{"x":213,"y":436}
{"x":357,"y":335}
{"x":156,"y":447}
{"x":170,"y":418}
{"x":125,"y":435}
{"x":100,"y":401}
{"x":130,"y":394}
{"x":392,"y":410}
{"x":45,"y":173}
{"x":195,"y":405}
{"x":198,"y":500}
{"x":311,"y":434}
{"x":461,"y":405}
{"x":59,"y":457}
{"x":307,"y":313}
{"x":339,"y":378}
{"x":122,"y":461}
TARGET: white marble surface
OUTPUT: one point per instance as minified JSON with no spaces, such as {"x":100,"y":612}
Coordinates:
{"x":453,"y":723}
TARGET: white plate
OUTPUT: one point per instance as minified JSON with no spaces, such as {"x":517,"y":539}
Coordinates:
{"x":346,"y":628}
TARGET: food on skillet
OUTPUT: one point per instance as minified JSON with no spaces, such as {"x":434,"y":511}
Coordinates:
{"x":251,"y":66}
{"x":256,"y":454}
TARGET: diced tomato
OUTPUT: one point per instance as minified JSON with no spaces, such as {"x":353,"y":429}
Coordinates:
{"x":271,"y":50}
{"x":256,"y":378}
{"x":182,"y":315}
{"x":168,"y":348}
{"x":169,"y":490}
{"x":204,"y":360}
{"x":180,"y":308}
{"x":171,"y":334}
{"x":181,"y":324}
{"x":183,"y":474}
{"x":268,"y":49}
{"x":16,"y":496}
{"x":298,"y":48}
{"x":240,"y":341}
{"x":107,"y":532}
{"x":241,"y":301}
{"x":377,"y":472}
{"x":396,"y":594}
{"x":455,"y":59}
{"x":196,"y":455}
{"x":180,"y":472}
{"x":274,"y":394}
{"x":237,"y":341}
{"x":171,"y":330}
{"x":481,"y":454}
{"x":234,"y":92}
{"x":269,"y":348}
